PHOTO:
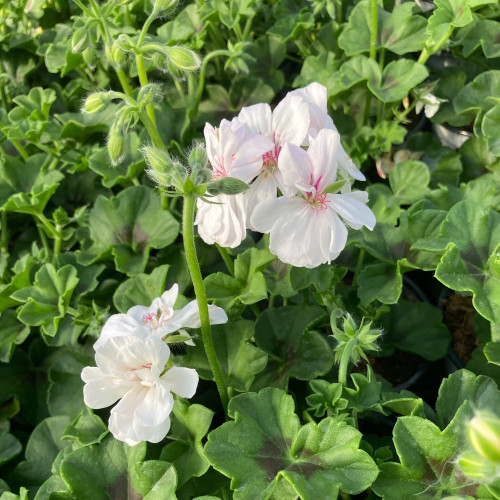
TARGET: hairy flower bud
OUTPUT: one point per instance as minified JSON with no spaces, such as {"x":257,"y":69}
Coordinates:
{"x":117,"y":55}
{"x":183,"y":59}
{"x":96,"y":102}
{"x":162,"y":169}
{"x":116,"y":144}
{"x":79,"y":40}
{"x":227,"y":185}
{"x":483,"y":432}
{"x":477,"y":467}
{"x":163,"y":6}
{"x":89,"y":56}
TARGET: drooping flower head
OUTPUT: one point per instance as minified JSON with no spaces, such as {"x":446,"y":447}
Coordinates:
{"x":158,"y":320}
{"x":233,"y":152}
{"x":307,"y":225}
{"x":132,"y":370}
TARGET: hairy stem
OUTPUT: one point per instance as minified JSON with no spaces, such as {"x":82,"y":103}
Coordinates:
{"x":344,"y":360}
{"x":197,"y":279}
{"x":227,"y":259}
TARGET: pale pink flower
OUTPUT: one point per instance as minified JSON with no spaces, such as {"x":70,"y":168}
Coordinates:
{"x":158,"y":320}
{"x":307,"y":226}
{"x":132,"y":370}
{"x":288,"y":123}
{"x":233,"y":151}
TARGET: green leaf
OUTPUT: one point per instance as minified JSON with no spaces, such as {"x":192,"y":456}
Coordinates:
{"x":481,"y":392}
{"x":323,"y":69}
{"x":114,"y":470}
{"x":266,"y":444}
{"x":86,"y":429}
{"x":43,"y":447}
{"x":140,"y":289}
{"x":190,"y":424}
{"x":12,"y":333}
{"x":291,"y":27}
{"x":128,"y":226}
{"x":27,"y":187}
{"x":87,"y":275}
{"x":481,"y":33}
{"x":239,"y":359}
{"x":489,"y":128}
{"x":46,"y":302}
{"x":9,"y":447}
{"x":492,"y":352}
{"x":479,"y":95}
{"x":397,"y":79}
{"x":65,"y":395}
{"x":248,"y":285}
{"x":320,"y":277}
{"x":472,"y":258}
{"x":400,"y":31}
{"x":294,"y":350}
{"x":409,"y":181}
{"x":381,"y":281}
{"x":418,"y":328}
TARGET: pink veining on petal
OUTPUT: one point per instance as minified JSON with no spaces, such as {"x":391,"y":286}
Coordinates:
{"x":317,"y":201}
{"x":270,"y":159}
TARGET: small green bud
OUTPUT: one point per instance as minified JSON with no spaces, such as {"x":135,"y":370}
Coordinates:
{"x":198,"y":157}
{"x":162,"y":169}
{"x":116,"y":144}
{"x":483,"y":432}
{"x":227,"y":185}
{"x":80,"y":40}
{"x":126,"y":43}
{"x":174,"y":72}
{"x":477,"y":467}
{"x":163,"y":6}
{"x":96,"y":102}
{"x":183,"y":59}
{"x":117,"y":55}
{"x":89,"y":56}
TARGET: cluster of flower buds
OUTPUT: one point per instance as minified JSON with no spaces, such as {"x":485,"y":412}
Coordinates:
{"x":300,"y":180}
{"x":131,"y":355}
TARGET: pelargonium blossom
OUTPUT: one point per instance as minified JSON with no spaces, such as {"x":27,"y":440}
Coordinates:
{"x":233,"y":151}
{"x":307,"y":226}
{"x":158,"y":320}
{"x":133,"y":370}
{"x":288,"y":123}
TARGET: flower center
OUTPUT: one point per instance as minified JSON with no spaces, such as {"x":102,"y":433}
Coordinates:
{"x":317,"y":201}
{"x":158,"y":319}
{"x":270,"y":159}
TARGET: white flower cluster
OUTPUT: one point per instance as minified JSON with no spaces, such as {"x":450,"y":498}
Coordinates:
{"x":132,"y":367}
{"x":307,"y":224}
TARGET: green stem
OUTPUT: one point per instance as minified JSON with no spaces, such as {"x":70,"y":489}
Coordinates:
{"x":255,"y":310}
{"x":374,"y":27}
{"x":361,"y":257}
{"x":57,"y":241}
{"x":247,"y":28}
{"x":339,"y":12}
{"x":344,"y":360}
{"x":226,"y":258}
{"x":307,"y":417}
{"x":407,"y":110}
{"x":43,"y":237}
{"x":197,"y":279}
{"x":5,"y":233}
{"x":24,"y":154}
{"x":152,"y":131}
{"x":143,"y":79}
{"x":124,"y":81}
{"x":426,"y":53}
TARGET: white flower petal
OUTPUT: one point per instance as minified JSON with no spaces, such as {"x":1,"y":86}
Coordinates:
{"x":169,"y":297}
{"x":263,"y":188}
{"x":257,"y":118}
{"x":155,"y":407}
{"x":352,"y":210}
{"x":295,"y":167}
{"x":182,"y":381}
{"x":339,"y":233}
{"x":268,"y":213}
{"x":100,"y":389}
{"x":290,"y":121}
{"x":120,"y":325}
{"x":324,"y":153}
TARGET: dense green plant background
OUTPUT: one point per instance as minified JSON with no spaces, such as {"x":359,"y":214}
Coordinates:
{"x":81,"y":239}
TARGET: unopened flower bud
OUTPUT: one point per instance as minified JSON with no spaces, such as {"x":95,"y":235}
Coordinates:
{"x":227,"y":185}
{"x":96,"y":102}
{"x":162,"y":169}
{"x":79,"y":40}
{"x":483,"y":432}
{"x":183,"y":59}
{"x":117,"y":55}
{"x":162,"y":6}
{"x":197,"y":158}
{"x":477,"y":467}
{"x":89,"y":56}
{"x":116,"y":144}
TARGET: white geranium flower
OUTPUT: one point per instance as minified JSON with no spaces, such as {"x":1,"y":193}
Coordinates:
{"x":233,"y":151}
{"x":430,"y":103}
{"x":288,"y":123}
{"x":315,"y":95}
{"x":132,"y":369}
{"x":307,"y":225}
{"x":158,"y":320}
